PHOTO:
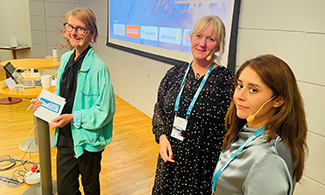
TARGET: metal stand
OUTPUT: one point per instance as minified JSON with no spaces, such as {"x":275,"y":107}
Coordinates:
{"x":10,"y":100}
{"x":46,"y":187}
{"x":37,"y":190}
{"x":32,"y":142}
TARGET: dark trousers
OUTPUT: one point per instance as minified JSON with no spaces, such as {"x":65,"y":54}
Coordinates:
{"x":69,"y":168}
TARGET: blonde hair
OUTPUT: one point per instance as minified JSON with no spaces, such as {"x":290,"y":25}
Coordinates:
{"x":218,"y":31}
{"x":86,"y":16}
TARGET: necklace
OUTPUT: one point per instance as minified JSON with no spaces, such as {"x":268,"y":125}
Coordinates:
{"x":197,"y":76}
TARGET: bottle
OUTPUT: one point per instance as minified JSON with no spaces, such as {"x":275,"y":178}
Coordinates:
{"x":55,"y":53}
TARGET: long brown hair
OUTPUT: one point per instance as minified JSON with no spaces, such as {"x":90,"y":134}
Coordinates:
{"x":289,"y":120}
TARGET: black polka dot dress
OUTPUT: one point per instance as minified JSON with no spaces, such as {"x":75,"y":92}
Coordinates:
{"x":197,"y":155}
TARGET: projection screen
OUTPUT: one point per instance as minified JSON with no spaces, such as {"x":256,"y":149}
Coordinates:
{"x":160,"y":29}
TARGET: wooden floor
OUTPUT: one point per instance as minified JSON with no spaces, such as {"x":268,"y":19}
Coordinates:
{"x":129,"y":161}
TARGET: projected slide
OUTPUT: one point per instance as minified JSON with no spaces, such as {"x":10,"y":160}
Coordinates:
{"x":162,"y":26}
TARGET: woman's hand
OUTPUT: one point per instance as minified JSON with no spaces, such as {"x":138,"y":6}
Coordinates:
{"x":61,"y":121}
{"x":165,"y":149}
{"x":36,"y":104}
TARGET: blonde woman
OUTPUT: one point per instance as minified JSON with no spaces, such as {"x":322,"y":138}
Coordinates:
{"x":85,"y":126}
{"x":188,"y":121}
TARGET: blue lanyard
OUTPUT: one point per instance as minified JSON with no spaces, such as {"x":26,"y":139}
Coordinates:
{"x":198,"y":91}
{"x":224,"y":166}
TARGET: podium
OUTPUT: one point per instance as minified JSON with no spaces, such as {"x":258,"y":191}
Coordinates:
{"x":47,"y":186}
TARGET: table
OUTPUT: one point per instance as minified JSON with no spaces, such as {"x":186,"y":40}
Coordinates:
{"x":10,"y":100}
{"x":44,"y":145}
{"x":14,"y":50}
{"x":28,"y":63}
{"x":36,"y":63}
{"x":27,"y":93}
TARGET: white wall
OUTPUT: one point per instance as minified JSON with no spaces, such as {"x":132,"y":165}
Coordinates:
{"x":292,"y":30}
{"x":14,"y":22}
{"x":45,"y":17}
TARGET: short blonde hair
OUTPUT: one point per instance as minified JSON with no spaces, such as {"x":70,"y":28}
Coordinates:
{"x":218,"y":30}
{"x":86,"y":16}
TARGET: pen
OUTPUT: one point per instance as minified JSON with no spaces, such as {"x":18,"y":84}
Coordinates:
{"x":31,"y":104}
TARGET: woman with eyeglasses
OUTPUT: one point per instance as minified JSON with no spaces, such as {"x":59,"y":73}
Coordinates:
{"x":85,"y":126}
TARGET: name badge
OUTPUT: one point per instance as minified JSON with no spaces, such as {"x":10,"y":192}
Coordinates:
{"x":179,"y":128}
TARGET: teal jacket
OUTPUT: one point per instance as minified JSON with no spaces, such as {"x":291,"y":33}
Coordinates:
{"x":94,"y":104}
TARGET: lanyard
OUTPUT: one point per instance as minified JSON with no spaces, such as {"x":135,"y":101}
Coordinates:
{"x":224,"y":166}
{"x":189,"y":110}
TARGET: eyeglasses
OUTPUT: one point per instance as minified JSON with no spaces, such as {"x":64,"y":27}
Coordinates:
{"x":79,"y":30}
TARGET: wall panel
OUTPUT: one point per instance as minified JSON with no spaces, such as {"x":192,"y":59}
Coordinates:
{"x":284,"y":15}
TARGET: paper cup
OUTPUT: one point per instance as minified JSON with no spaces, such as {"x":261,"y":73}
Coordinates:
{"x":46,"y":81}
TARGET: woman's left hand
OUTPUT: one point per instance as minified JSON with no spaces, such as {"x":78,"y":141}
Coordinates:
{"x":61,"y":121}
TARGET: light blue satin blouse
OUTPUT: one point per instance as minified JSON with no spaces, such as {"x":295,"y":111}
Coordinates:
{"x":260,"y":168}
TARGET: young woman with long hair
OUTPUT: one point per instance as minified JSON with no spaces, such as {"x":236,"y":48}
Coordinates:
{"x":265,"y":147}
